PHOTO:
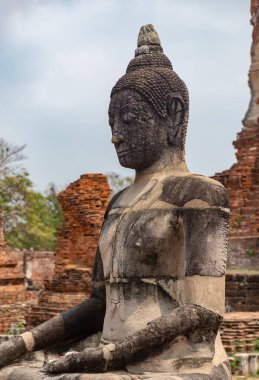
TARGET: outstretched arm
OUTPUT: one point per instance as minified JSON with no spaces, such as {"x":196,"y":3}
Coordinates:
{"x":82,"y":320}
{"x":182,"y":321}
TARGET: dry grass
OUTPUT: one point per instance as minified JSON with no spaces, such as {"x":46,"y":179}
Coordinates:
{"x":244,"y":378}
{"x":243,"y":271}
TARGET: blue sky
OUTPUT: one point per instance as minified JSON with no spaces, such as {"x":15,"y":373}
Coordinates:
{"x":60,"y":59}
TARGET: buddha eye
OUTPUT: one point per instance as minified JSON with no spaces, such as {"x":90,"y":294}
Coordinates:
{"x":128,"y":117}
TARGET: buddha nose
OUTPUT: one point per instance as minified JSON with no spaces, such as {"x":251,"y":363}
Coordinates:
{"x":117,"y":139}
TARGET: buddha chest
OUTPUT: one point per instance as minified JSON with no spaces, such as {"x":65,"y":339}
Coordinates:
{"x":143,"y":243}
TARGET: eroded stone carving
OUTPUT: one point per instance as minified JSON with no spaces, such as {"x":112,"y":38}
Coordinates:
{"x":158,"y":279}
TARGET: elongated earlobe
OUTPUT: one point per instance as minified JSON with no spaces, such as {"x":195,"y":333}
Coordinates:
{"x":176,"y":111}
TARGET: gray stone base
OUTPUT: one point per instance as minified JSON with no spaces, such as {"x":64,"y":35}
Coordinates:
{"x":30,"y":368}
{"x":28,"y":373}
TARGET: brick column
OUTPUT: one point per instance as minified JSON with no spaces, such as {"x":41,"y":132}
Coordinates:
{"x":242,"y":179}
{"x":12,"y":290}
{"x":83,"y":204}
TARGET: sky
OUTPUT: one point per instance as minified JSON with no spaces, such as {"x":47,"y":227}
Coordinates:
{"x":60,"y":59}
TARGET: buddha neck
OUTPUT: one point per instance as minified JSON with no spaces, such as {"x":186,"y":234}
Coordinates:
{"x":171,"y":162}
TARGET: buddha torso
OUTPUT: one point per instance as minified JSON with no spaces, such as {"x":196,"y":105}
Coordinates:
{"x":137,"y":240}
{"x":147,"y":270}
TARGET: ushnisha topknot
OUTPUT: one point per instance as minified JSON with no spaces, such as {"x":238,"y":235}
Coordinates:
{"x":151,"y":73}
{"x":148,"y":40}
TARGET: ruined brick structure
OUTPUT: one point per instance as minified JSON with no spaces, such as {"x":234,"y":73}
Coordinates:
{"x":242,"y":291}
{"x":37,"y":266}
{"x":240,"y":332}
{"x":242,"y":179}
{"x":12,"y":290}
{"x":83,"y":204}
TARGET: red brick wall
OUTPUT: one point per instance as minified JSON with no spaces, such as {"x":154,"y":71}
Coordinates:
{"x":83,"y":204}
{"x":242,"y":179}
{"x":242,"y":292}
{"x":242,"y":184}
{"x":243,"y":253}
{"x":12,"y":289}
{"x":37,"y":266}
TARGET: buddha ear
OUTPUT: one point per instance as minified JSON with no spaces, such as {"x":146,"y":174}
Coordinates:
{"x":176,"y":111}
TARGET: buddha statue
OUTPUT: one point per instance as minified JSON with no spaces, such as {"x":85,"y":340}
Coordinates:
{"x":159,"y":275}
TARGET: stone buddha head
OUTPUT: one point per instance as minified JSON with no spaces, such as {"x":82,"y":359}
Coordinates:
{"x":148,"y":112}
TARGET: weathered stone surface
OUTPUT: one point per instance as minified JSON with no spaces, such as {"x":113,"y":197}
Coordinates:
{"x":180,"y":191}
{"x":36,"y":374}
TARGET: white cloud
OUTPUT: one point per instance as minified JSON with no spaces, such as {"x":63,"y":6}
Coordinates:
{"x":60,"y":59}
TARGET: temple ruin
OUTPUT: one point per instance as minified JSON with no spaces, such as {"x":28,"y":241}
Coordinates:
{"x":240,"y":329}
{"x":12,"y":289}
{"x":83,"y":204}
{"x":242,"y":179}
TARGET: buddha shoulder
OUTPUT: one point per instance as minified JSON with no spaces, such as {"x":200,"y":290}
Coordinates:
{"x":194,"y":190}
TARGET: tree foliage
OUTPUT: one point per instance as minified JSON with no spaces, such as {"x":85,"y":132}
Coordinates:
{"x":117,"y":182}
{"x":31,"y":218}
{"x":10,"y":157}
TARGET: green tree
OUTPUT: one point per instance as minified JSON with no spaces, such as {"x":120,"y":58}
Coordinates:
{"x":10,"y":157}
{"x":31,"y":219}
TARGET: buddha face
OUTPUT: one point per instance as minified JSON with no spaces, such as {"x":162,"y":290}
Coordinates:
{"x":138,"y":133}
